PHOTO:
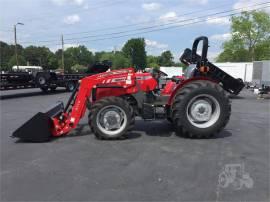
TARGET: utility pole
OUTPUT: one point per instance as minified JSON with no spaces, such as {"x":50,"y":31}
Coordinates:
{"x":63,"y":59}
{"x":16,"y":51}
{"x":15,"y":40}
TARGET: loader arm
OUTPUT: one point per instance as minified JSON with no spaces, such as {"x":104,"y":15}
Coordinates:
{"x":59,"y":120}
{"x":86,"y":93}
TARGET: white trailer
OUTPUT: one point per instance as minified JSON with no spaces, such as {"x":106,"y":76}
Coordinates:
{"x":261,"y":73}
{"x":26,"y":68}
{"x":243,"y":70}
{"x":172,"y":71}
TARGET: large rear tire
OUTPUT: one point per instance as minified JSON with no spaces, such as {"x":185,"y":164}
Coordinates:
{"x":200,"y":109}
{"x":111,"y":118}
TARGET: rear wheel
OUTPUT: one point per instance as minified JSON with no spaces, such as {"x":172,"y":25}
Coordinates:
{"x":200,"y":109}
{"x":41,"y":80}
{"x":111,"y":118}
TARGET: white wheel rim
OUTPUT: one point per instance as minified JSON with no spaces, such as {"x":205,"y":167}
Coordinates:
{"x":111,"y":120}
{"x":70,"y":86}
{"x":41,"y":80}
{"x":203,"y":111}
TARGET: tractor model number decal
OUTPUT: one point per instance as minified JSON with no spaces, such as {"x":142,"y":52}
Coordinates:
{"x":114,"y":80}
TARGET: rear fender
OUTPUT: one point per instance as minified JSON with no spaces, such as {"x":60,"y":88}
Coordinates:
{"x":182,"y":84}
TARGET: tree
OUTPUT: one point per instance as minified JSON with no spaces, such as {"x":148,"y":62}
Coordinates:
{"x":250,"y":36}
{"x":76,"y":55}
{"x":120,"y":61}
{"x":134,"y":49}
{"x":39,"y":56}
{"x":262,"y":50}
{"x":233,"y":52}
{"x":166,"y":59}
{"x":12,"y":62}
{"x":152,"y":61}
{"x":6,"y":53}
{"x":52,"y":61}
{"x":106,"y":56}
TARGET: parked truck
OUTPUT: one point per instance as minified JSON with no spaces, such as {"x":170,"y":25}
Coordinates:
{"x":47,"y":80}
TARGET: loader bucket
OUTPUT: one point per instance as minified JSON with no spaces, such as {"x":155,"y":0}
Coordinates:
{"x":38,"y":128}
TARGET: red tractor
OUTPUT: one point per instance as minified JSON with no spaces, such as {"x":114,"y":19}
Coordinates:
{"x":197,"y":107}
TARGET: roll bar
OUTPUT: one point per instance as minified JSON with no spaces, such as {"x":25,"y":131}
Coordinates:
{"x":204,"y":48}
{"x":191,"y":56}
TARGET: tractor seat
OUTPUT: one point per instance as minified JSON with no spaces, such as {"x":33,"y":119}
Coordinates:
{"x":176,"y":79}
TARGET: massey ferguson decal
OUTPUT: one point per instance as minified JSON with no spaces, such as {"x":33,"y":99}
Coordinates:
{"x":115,"y":72}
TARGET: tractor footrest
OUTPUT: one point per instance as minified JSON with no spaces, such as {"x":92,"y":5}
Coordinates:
{"x":148,"y":111}
{"x":152,"y":112}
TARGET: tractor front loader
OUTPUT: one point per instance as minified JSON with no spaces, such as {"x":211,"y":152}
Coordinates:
{"x":197,"y":107}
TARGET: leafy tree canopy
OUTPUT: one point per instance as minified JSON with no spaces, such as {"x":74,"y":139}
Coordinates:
{"x":134,"y":49}
{"x":12,"y":62}
{"x":78,"y":58}
{"x":166,"y":59}
{"x":250,"y":38}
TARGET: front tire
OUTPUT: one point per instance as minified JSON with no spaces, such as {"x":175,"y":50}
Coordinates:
{"x":111,"y":118}
{"x":200,"y":109}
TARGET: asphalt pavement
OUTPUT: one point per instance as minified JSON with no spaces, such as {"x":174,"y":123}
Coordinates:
{"x":153,"y":164}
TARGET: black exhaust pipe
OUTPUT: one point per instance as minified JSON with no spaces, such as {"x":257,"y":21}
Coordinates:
{"x":38,"y":128}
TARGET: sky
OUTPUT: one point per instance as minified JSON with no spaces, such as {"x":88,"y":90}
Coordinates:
{"x":105,"y":25}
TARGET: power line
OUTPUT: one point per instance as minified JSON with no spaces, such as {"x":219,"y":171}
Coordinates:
{"x":6,"y":30}
{"x":161,"y":25}
{"x":146,"y":22}
{"x":138,"y":24}
{"x":166,"y":28}
{"x":98,"y":6}
{"x":145,"y":28}
{"x":151,"y":27}
{"x":108,"y":4}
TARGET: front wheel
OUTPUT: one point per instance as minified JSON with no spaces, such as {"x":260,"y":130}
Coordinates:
{"x":200,"y":109}
{"x":111,"y":118}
